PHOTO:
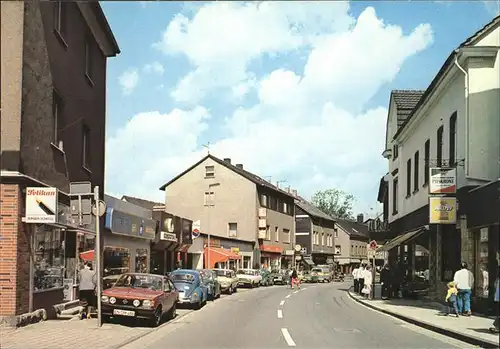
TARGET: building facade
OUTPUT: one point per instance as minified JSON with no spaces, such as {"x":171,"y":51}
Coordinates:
{"x":453,"y":124}
{"x":351,"y":240}
{"x":53,"y":98}
{"x":315,"y":233}
{"x":240,"y":210}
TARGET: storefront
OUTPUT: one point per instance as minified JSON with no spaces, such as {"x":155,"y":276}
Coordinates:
{"x":239,"y":253}
{"x":270,"y":257}
{"x":127,"y":238}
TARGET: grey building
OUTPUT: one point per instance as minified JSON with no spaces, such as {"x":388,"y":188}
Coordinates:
{"x":351,"y":242}
{"x":244,"y":213}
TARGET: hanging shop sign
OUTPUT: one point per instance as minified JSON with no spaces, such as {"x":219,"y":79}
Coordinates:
{"x":126,"y":224}
{"x":442,"y":180}
{"x":442,"y":210}
{"x":168,"y":236}
{"x":41,"y":205}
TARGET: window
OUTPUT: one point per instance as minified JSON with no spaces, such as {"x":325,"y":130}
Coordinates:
{"x":336,"y":232}
{"x":268,"y":232}
{"x":322,"y":239}
{"x":88,"y":60}
{"x":439,"y":147}
{"x":56,"y":116}
{"x":86,"y":148}
{"x":453,"y":138}
{"x":116,"y":260}
{"x":416,"y":164}
{"x":286,"y":233}
{"x":233,"y":229}
{"x":285,"y":207}
{"x":60,"y":19}
{"x":273,"y":204}
{"x":427,"y":155}
{"x":277,"y":234}
{"x":395,"y":196}
{"x":395,"y":152}
{"x":408,"y":178}
{"x":209,"y":198}
{"x":263,"y":200}
{"x":209,"y":171}
{"x":338,"y":249}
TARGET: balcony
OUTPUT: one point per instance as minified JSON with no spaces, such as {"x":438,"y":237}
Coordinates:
{"x":378,"y":230}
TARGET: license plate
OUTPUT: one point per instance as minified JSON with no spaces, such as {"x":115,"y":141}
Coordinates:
{"x":123,"y":312}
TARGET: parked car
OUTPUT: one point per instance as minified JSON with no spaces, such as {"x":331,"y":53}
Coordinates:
{"x":227,"y":280}
{"x":321,"y":274}
{"x":191,"y":289}
{"x":307,"y":277}
{"x":248,"y":277}
{"x":140,"y":296}
{"x":109,"y":281}
{"x":209,"y":279}
{"x":267,"y":278}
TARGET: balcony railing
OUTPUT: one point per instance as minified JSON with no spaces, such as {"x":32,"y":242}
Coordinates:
{"x":378,"y":225}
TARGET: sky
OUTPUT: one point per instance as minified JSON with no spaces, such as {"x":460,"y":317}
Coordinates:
{"x":295,"y":91}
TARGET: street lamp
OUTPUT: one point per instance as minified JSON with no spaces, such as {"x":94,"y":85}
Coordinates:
{"x":209,"y":204}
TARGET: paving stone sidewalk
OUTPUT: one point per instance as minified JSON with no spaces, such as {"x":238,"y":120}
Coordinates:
{"x":473,"y":329}
{"x":65,"y":334}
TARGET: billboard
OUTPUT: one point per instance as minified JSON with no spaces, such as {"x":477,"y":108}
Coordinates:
{"x":442,"y":181}
{"x":41,"y":205}
{"x":442,"y":210}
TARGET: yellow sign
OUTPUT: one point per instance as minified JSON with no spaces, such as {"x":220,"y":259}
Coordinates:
{"x":442,"y":210}
{"x":235,"y":250}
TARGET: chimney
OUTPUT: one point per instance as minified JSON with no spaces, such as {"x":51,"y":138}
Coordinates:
{"x":277,"y":184}
{"x":228,"y":160}
{"x":360,"y":218}
{"x":288,"y":189}
{"x":294,"y":192}
{"x":239,"y":166}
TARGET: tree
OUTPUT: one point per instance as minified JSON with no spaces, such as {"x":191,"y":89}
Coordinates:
{"x":334,"y":202}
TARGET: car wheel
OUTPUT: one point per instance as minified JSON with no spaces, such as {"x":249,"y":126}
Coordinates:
{"x":157,"y":317}
{"x":230,"y":290}
{"x":173,"y":312}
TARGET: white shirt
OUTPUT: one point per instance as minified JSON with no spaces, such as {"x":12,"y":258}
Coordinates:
{"x":464,"y":279}
{"x":355,"y":273}
{"x":361,"y":273}
{"x":367,"y":274}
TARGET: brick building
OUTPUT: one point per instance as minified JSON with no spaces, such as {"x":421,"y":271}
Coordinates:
{"x":53,"y":100}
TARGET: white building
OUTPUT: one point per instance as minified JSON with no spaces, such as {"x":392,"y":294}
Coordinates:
{"x":455,"y":122}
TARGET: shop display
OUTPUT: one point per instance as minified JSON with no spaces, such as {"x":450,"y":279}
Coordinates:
{"x":48,"y":258}
{"x":141,"y":260}
{"x":116,"y":260}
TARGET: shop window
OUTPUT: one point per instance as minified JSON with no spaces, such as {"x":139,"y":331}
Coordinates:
{"x":49,"y":259}
{"x":116,"y":260}
{"x":450,"y":252}
{"x":141,"y":260}
{"x":481,"y":274}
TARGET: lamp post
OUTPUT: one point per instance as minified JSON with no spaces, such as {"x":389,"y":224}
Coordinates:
{"x":210,"y":204}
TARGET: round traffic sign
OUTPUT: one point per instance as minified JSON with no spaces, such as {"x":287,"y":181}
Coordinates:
{"x":298,"y":248}
{"x":373,"y":245}
{"x":196,"y":233}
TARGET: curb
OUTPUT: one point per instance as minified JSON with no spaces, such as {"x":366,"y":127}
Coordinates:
{"x":457,"y":335}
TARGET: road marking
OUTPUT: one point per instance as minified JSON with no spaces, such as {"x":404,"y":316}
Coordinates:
{"x":287,"y":337}
{"x":281,"y":303}
{"x":288,"y":296}
{"x":280,"y":314}
{"x":296,"y":292}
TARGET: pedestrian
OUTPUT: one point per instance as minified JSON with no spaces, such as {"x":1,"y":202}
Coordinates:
{"x":88,"y":283}
{"x":294,"y":279}
{"x":356,"y":279}
{"x":496,"y":323}
{"x":464,"y":281}
{"x":451,"y":299}
{"x":361,"y":278}
{"x":385,"y":280}
{"x":395,"y":281}
{"x":367,"y":282}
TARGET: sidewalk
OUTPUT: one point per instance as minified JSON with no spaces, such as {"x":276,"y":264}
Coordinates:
{"x":473,"y":329}
{"x":63,"y":334}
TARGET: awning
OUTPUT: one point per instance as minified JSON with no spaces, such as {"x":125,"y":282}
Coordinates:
{"x":271,"y":249}
{"x":401,"y":239}
{"x":87,"y":255}
{"x":219,"y":255}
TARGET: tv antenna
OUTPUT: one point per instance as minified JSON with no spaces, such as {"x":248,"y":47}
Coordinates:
{"x":208,"y":147}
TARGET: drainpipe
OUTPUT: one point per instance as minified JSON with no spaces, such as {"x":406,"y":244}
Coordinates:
{"x":466,"y":128}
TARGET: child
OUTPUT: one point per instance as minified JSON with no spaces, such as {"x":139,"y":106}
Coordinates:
{"x":451,"y":299}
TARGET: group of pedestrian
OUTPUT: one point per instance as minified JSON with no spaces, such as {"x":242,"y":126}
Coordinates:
{"x":363,"y":280}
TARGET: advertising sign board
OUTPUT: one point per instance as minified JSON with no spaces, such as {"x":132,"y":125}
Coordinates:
{"x":41,"y":205}
{"x":442,"y":210}
{"x":442,"y":181}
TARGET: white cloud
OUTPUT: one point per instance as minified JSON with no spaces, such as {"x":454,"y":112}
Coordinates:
{"x":155,"y":67}
{"x":493,"y":7}
{"x":129,"y":80}
{"x":308,"y":127}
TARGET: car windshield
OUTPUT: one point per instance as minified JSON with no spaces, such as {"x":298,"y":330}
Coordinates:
{"x":317,"y":270}
{"x":181,"y":277}
{"x":223,"y":273}
{"x":151,"y":282}
{"x":245,"y":272}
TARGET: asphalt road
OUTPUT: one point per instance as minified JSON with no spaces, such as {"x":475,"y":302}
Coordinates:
{"x":317,"y":316}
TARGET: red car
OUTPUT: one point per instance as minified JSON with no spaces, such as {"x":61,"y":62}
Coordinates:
{"x":140,"y":296}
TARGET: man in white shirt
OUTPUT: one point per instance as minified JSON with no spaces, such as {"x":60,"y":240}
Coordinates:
{"x":464,"y":281}
{"x":356,"y":279}
{"x":361,"y":278}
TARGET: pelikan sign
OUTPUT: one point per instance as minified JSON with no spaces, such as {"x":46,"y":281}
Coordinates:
{"x":41,"y":205}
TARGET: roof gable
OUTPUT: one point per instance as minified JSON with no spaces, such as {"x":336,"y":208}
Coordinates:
{"x":312,"y":210}
{"x":353,"y":228}
{"x":141,"y":202}
{"x":240,"y":171}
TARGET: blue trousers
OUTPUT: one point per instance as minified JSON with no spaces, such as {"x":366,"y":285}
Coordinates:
{"x":452,"y":307}
{"x":464,"y":301}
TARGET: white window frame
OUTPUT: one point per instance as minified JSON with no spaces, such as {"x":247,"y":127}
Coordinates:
{"x":276,"y":234}
{"x":209,"y":198}
{"x":210,"y":171}
{"x":230,"y":231}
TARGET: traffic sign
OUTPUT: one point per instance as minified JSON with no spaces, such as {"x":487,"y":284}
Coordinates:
{"x":373,"y":245}
{"x":298,"y":248}
{"x":196,"y":233}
